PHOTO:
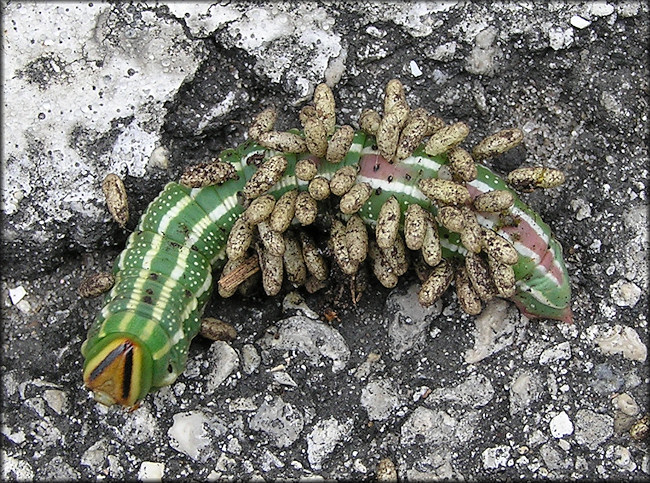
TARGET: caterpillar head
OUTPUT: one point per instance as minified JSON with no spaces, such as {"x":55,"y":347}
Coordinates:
{"x":119,"y":370}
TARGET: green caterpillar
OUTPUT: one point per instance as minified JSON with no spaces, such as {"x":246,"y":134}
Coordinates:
{"x":163,"y":278}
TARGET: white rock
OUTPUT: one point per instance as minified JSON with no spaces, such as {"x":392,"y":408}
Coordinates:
{"x":187,"y":434}
{"x":380,"y":399}
{"x":624,"y":293}
{"x":624,"y":340}
{"x":313,"y":338}
{"x":323,"y":439}
{"x":561,"y":425}
{"x":16,"y":294}
{"x":578,"y":22}
{"x":408,"y":327}
{"x":524,"y":390}
{"x":558,"y":352}
{"x":56,"y":399}
{"x":281,"y":377}
{"x":250,"y":358}
{"x":592,"y":428}
{"x":223,"y":361}
{"x":159,"y":158}
{"x":426,"y":426}
{"x":495,"y":457}
{"x":150,"y":471}
{"x":15,"y":468}
{"x":281,"y":421}
{"x":415,"y":70}
{"x":496,"y":328}
{"x":626,"y":404}
{"x":475,"y":391}
{"x":601,"y":9}
{"x":621,"y":457}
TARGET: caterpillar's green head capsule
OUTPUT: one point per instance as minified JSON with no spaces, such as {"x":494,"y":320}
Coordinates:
{"x":119,"y":370}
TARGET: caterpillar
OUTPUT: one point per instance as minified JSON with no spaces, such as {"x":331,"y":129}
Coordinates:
{"x":427,"y":204}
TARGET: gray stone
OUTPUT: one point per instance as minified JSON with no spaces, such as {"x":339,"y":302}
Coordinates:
{"x":281,"y":422}
{"x":323,"y":438}
{"x":555,"y":459}
{"x":474,"y":392}
{"x":592,"y":429}
{"x":408,"y":327}
{"x":429,"y":427}
{"x":380,"y":399}
{"x":313,"y":338}
{"x":525,"y":389}
{"x":223,"y":361}
{"x":495,"y":457}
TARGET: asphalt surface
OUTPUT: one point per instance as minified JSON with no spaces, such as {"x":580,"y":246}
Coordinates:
{"x":314,"y":386}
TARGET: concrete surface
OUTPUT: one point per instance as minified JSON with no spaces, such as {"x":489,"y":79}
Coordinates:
{"x":147,"y":89}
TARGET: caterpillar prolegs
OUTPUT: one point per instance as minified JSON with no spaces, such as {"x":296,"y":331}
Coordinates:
{"x":424,"y":204}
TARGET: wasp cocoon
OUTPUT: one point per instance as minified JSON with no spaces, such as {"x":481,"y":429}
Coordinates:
{"x":272,"y":240}
{"x":461,"y":165}
{"x":97,"y":284}
{"x":494,"y":201}
{"x":479,"y":274}
{"x":340,"y":144}
{"x":287,"y":142}
{"x":431,"y":251}
{"x":468,"y":299}
{"x":445,"y":138}
{"x":314,"y":261}
{"x":471,"y":235}
{"x":356,"y":238}
{"x":208,"y":174}
{"x":325,"y":106}
{"x":306,"y":169}
{"x":369,"y":121}
{"x":316,"y":137}
{"x":388,"y":220}
{"x":262,"y":123}
{"x":444,"y":191}
{"x":340,"y":249}
{"x":217,"y":329}
{"x":343,"y":180}
{"x":396,"y":256}
{"x":451,"y":218}
{"x":434,"y":124}
{"x":498,"y":247}
{"x":294,"y":263}
{"x":353,"y":200}
{"x":116,"y":199}
{"x":272,"y":271}
{"x":259,"y":209}
{"x":503,"y":277}
{"x":388,"y":134}
{"x":497,"y":143}
{"x":319,"y":188}
{"x":306,"y":208}
{"x":283,"y":211}
{"x":434,"y":286}
{"x":266,"y":176}
{"x":412,"y":134}
{"x":415,"y":226}
{"x":239,"y":239}
{"x":381,"y":267}
{"x":393,"y":94}
{"x":528,"y":179}
{"x":306,"y":113}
